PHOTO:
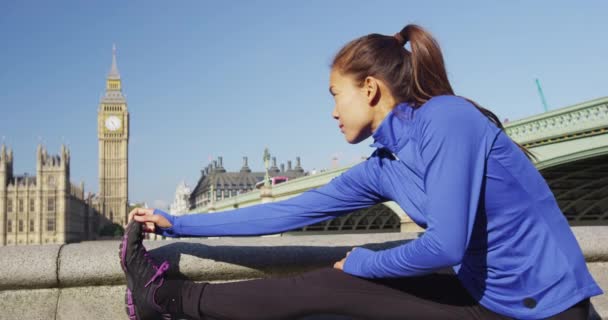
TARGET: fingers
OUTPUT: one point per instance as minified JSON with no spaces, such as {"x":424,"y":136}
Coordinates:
{"x":146,"y":218}
{"x":140,"y":211}
{"x":148,"y":221}
{"x":149,"y":227}
{"x":339,"y":264}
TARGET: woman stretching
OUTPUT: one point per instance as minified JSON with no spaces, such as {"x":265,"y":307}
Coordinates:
{"x":490,"y":218}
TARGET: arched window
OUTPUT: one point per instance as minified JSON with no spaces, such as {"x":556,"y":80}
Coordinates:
{"x":50,"y":222}
{"x":50,"y":205}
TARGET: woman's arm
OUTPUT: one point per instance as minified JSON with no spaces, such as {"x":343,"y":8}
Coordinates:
{"x":454,"y":145}
{"x":354,"y":189}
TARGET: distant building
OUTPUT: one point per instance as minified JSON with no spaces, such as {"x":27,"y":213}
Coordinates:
{"x":46,"y":208}
{"x":181,"y":201}
{"x":216,"y":183}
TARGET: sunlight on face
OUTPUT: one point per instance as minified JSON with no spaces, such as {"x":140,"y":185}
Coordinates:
{"x":352,"y":109}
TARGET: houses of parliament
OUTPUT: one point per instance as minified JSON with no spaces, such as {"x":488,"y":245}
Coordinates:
{"x":47,"y":208}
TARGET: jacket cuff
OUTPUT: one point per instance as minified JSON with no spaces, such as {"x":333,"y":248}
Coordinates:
{"x":167,"y":232}
{"x":357,"y":262}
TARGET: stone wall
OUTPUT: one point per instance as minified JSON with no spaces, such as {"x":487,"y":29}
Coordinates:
{"x":85,"y":281}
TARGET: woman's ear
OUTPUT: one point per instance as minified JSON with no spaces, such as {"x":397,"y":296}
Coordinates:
{"x":372,"y":90}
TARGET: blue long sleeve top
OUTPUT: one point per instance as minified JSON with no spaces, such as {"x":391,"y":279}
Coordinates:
{"x":487,"y":211}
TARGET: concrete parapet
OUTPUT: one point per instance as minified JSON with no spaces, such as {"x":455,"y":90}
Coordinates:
{"x":29,"y":267}
{"x":85,"y":280}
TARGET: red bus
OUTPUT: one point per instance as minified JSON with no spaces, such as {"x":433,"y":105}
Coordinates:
{"x":273,"y":181}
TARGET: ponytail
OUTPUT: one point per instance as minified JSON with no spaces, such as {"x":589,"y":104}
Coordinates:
{"x":428,"y":72}
{"x":413,"y":77}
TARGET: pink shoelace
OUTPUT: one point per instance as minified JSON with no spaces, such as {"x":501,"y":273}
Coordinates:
{"x":159,"y":272}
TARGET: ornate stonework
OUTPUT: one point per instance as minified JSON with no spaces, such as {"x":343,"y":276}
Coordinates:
{"x":113,"y":135}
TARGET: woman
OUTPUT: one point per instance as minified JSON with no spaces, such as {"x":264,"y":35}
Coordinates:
{"x":489,"y":216}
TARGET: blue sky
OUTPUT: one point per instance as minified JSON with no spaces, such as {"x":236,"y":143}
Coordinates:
{"x":206,"y":79}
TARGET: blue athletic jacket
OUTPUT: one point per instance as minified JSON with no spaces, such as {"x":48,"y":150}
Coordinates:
{"x":486,"y":209}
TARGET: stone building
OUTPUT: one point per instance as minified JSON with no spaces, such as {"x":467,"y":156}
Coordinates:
{"x":181,"y":201}
{"x":216,"y":183}
{"x":113,"y":141}
{"x":47,"y":207}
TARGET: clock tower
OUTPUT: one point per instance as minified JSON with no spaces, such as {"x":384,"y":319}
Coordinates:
{"x":113,"y":136}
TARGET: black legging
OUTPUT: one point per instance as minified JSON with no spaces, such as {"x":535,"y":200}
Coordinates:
{"x":331,"y":291}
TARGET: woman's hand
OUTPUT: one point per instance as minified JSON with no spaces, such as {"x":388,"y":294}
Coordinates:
{"x":340,"y":264}
{"x":150,"y":220}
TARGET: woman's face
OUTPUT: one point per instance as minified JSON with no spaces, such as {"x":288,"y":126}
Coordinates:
{"x":352,"y":108}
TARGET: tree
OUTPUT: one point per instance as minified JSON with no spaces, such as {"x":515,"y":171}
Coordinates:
{"x":112,"y":230}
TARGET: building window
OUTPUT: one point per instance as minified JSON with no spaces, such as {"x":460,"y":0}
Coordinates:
{"x":50,"y":181}
{"x":32,"y":225}
{"x":50,"y":223}
{"x":50,"y":205}
{"x":20,"y":225}
{"x":32,"y":205}
{"x":9,"y":226}
{"x":9,"y":206}
{"x":20,"y":205}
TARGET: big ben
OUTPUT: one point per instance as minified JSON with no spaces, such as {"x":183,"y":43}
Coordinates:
{"x":113,"y":135}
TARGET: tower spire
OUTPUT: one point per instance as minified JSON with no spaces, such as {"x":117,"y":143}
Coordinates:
{"x":114,"y":74}
{"x":113,"y":82}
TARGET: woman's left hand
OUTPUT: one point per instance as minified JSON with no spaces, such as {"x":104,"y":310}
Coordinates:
{"x":340,"y":264}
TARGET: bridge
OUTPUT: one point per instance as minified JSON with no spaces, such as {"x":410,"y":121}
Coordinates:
{"x":571,"y":149}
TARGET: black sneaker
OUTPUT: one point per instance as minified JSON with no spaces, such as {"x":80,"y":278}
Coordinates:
{"x":144,"y":277}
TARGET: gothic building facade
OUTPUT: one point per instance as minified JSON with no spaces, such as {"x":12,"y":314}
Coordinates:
{"x":47,"y":207}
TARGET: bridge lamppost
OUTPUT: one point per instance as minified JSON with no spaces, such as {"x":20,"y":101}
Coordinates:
{"x":266,"y":189}
{"x":266,"y":165}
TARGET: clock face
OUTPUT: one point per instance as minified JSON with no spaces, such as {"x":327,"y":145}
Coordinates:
{"x":112,"y":123}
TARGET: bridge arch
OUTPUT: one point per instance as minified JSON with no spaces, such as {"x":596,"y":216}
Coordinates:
{"x":581,"y":187}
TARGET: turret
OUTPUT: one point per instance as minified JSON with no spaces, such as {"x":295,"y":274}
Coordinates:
{"x":274,"y":167}
{"x":298,"y":165}
{"x":245,"y":167}
{"x":6,"y":167}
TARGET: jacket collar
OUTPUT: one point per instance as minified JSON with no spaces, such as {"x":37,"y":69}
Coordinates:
{"x":392,"y":132}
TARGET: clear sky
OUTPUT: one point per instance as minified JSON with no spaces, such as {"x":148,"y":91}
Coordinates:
{"x":228,"y":78}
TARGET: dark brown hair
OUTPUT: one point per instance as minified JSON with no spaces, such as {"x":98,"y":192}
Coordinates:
{"x":413,"y":77}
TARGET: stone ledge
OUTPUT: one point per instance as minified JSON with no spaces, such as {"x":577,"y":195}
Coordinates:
{"x":74,"y":279}
{"x":25,"y":267}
